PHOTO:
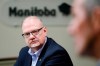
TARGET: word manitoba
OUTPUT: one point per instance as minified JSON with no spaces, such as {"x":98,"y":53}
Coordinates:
{"x":15,"y":11}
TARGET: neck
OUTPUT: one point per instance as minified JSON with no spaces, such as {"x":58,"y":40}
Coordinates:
{"x":34,"y":49}
{"x":96,"y":49}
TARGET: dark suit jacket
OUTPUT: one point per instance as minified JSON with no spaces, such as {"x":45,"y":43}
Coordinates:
{"x":51,"y":55}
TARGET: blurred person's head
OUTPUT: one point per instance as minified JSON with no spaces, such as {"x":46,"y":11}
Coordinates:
{"x":34,"y":32}
{"x":85,"y":27}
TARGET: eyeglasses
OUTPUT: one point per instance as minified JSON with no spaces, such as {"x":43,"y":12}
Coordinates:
{"x":34,"y":32}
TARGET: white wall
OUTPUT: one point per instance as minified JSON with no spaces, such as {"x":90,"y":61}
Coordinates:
{"x":11,"y":42}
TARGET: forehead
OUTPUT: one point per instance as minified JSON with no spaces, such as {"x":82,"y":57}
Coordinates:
{"x":78,"y":6}
{"x":32,"y":22}
{"x":78,"y":2}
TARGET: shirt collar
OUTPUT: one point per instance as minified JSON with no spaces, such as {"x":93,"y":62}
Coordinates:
{"x":37,"y":53}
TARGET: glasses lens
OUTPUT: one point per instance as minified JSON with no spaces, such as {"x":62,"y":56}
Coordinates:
{"x":26,"y":35}
{"x":35,"y":32}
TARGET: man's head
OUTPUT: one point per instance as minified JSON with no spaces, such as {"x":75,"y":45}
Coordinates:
{"x":85,"y":25}
{"x":34,"y":32}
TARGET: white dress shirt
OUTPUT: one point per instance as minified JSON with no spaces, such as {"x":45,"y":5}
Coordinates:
{"x":35,"y":55}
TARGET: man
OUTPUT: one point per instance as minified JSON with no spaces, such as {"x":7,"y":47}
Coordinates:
{"x":41,"y":50}
{"x":85,"y":27}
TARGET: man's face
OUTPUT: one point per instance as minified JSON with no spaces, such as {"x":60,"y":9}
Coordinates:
{"x":34,"y":33}
{"x":78,"y":28}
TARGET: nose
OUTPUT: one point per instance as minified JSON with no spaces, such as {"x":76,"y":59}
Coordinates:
{"x":32,"y":36}
{"x":71,"y":29}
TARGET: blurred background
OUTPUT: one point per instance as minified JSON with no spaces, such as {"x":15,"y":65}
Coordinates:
{"x":55,"y":15}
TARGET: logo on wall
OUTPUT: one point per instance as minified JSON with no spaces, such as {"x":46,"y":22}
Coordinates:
{"x":65,"y":9}
{"x":16,"y":12}
{"x":13,"y":12}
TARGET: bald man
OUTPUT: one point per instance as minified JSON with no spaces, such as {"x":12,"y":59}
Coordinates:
{"x":40,"y":50}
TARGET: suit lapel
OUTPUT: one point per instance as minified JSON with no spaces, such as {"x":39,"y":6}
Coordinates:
{"x":28,"y":61}
{"x":42,"y":55}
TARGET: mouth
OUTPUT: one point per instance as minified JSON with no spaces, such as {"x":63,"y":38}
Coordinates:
{"x":34,"y":42}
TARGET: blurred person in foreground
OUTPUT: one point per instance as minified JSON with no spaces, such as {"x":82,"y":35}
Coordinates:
{"x":40,"y":50}
{"x":85,"y":28}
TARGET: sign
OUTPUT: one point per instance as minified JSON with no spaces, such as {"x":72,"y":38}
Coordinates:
{"x":12,"y":12}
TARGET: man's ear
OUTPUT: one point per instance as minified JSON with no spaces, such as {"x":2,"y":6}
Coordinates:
{"x":96,"y":20}
{"x":45,"y":30}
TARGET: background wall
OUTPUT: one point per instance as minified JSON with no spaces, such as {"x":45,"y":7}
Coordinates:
{"x":11,"y":41}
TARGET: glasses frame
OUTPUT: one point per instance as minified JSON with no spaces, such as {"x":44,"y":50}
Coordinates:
{"x":26,"y":35}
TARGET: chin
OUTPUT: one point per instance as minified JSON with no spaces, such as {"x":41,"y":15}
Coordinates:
{"x":35,"y":45}
{"x":84,"y":53}
{"x":80,"y":52}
